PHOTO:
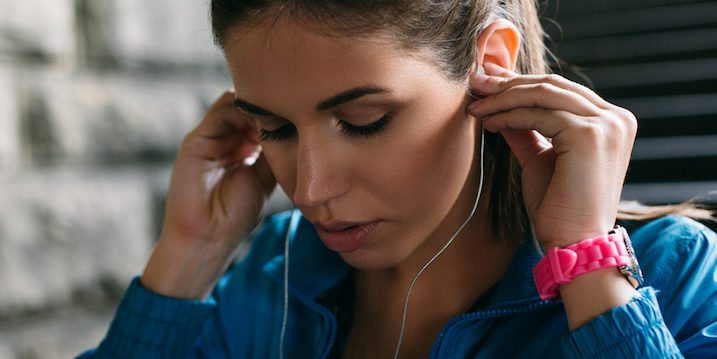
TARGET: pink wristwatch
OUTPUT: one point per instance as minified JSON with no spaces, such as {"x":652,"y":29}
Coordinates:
{"x":561,"y":265}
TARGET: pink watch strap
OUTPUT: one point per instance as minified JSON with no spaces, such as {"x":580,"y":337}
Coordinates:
{"x":561,"y":265}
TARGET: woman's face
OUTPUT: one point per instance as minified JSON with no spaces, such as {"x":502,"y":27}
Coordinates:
{"x":406,"y":171}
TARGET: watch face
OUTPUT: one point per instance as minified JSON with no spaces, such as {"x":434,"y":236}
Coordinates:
{"x":632,"y":271}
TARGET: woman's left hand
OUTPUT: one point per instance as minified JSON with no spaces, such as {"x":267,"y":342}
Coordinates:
{"x":572,"y":183}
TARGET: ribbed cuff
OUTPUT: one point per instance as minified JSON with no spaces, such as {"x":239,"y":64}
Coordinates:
{"x":633,"y":330}
{"x":151,"y":325}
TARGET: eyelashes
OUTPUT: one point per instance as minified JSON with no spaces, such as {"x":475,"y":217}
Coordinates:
{"x":287,"y":131}
{"x":281,"y":133}
{"x":366,"y":131}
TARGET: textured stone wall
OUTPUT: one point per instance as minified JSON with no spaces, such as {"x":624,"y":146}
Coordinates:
{"x":95,"y":96}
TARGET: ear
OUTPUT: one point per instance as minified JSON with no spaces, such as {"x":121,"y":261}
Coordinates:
{"x":498,"y":44}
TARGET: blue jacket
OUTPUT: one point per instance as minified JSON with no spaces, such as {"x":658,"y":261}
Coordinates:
{"x":674,"y":314}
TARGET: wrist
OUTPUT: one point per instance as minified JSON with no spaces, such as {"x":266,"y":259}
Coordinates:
{"x":591,"y":275}
{"x":563,"y":239}
{"x":568,"y":232}
{"x":561,"y":265}
{"x":183,"y":270}
{"x":592,"y":294}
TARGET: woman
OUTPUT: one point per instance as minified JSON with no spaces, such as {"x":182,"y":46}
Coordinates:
{"x":371,"y":115}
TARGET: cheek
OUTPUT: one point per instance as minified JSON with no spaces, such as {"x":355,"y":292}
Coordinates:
{"x":427,"y":160}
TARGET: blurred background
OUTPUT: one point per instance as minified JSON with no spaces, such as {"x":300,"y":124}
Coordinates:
{"x":95,"y":96}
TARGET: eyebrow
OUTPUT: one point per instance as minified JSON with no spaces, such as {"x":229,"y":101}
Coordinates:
{"x":343,"y":97}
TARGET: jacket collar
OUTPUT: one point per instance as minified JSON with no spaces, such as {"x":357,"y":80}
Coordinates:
{"x":517,"y":287}
{"x":314,"y":269}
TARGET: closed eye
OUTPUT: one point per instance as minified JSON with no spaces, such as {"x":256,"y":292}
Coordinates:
{"x":288,"y":130}
{"x":366,"y":131}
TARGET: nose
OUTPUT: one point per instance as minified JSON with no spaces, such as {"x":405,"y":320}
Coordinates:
{"x":318,"y":173}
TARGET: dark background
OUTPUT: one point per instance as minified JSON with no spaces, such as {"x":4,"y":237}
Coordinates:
{"x":657,"y":58}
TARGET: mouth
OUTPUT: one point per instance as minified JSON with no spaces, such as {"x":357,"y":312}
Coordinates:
{"x":340,"y":226}
{"x":345,"y":236}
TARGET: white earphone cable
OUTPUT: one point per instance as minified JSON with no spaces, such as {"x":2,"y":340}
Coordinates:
{"x":410,"y":288}
{"x":285,"y":315}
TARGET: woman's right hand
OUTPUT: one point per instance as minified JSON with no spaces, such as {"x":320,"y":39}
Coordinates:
{"x":213,"y":203}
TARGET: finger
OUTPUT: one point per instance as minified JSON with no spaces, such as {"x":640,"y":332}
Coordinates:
{"x":223,"y":119}
{"x":209,"y":148}
{"x":486,"y":73}
{"x":525,"y":145}
{"x":541,"y":95}
{"x":492,"y":69}
{"x":217,"y":124}
{"x":503,"y":79}
{"x":549,"y":123}
{"x":226,"y":98}
{"x":224,"y":135}
{"x":266,"y":176}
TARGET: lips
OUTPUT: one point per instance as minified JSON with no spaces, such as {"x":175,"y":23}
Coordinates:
{"x":343,"y":236}
{"x":338,"y":226}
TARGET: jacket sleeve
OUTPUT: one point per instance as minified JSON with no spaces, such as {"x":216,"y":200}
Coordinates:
{"x":637,"y":327}
{"x":150,"y":325}
{"x":675,"y":319}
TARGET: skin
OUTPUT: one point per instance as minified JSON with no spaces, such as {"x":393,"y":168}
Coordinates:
{"x":427,"y":162}
{"x":427,"y":148}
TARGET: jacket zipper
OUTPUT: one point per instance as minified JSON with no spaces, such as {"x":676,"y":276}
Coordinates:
{"x":485,"y":314}
{"x":325,"y":313}
{"x":331,"y":322}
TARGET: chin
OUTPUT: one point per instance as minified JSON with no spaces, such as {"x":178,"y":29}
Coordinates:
{"x":366,"y":260}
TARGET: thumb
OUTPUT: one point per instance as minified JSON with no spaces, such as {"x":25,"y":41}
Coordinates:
{"x":525,"y":144}
{"x":264,"y":174}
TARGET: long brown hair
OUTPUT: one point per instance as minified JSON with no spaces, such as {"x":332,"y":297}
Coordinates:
{"x":449,"y":30}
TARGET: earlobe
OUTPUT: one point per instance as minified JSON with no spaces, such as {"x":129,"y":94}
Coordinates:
{"x":498,"y":44}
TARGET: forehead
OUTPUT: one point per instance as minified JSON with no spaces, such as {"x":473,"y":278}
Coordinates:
{"x":285,"y":57}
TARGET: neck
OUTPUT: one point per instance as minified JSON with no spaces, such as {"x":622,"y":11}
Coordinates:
{"x":468,"y":267}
